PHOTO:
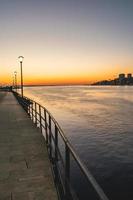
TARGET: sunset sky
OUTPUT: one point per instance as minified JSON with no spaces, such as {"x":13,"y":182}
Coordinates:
{"x":66,"y":41}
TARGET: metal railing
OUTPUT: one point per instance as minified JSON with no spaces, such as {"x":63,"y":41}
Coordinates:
{"x":56,"y":141}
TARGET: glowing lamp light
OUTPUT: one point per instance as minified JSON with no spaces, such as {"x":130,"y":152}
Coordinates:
{"x":21,"y":58}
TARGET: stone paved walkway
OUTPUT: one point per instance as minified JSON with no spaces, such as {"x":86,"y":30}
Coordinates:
{"x":25,"y":172}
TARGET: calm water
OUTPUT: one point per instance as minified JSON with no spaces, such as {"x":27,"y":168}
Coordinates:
{"x":99,"y":123}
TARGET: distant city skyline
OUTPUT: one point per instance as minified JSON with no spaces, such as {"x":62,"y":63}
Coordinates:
{"x":122,"y":79}
{"x":66,"y":42}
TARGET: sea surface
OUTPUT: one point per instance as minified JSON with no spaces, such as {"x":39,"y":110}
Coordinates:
{"x":98,"y":121}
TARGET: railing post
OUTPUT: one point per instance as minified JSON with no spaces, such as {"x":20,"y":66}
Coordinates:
{"x":35,"y":113}
{"x":56,"y":143}
{"x":40,"y":117}
{"x":28,"y":108}
{"x":56,"y":154}
{"x":50,"y":145}
{"x":67,"y":172}
{"x":46,"y":126}
{"x":32,"y":112}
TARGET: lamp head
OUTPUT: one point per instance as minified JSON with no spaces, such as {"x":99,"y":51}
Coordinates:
{"x":21,"y":58}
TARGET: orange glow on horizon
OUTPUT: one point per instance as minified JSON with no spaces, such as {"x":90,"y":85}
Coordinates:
{"x":60,"y":79}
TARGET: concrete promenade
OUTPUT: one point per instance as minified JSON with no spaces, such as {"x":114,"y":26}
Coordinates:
{"x":25,"y":172}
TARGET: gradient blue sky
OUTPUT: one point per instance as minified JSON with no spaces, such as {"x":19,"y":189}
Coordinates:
{"x":72,"y":41}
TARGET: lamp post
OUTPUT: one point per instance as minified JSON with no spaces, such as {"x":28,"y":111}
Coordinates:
{"x":13,"y":82}
{"x":15,"y":73}
{"x":21,"y":61}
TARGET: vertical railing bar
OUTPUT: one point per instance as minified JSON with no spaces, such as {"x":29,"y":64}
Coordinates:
{"x":32,"y":111}
{"x":28,"y":109}
{"x":56,"y":154}
{"x":35,"y":113}
{"x":67,"y":172}
{"x":40,"y":116}
{"x":46,"y":127}
{"x":56,"y":143}
{"x":50,"y":145}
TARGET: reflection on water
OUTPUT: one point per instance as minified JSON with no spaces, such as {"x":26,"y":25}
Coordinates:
{"x":98,"y":121}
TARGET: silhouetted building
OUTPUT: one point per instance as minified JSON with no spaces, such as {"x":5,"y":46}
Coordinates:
{"x":129,"y":76}
{"x":121,"y":76}
{"x":121,"y":79}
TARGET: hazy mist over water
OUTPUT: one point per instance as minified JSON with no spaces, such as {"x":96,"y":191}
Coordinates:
{"x":99,"y":123}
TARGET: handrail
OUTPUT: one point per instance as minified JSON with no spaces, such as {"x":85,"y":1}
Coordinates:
{"x":43,"y":119}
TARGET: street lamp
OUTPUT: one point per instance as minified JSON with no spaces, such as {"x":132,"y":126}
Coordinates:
{"x":12,"y":82}
{"x":15,"y":73}
{"x":21,"y":60}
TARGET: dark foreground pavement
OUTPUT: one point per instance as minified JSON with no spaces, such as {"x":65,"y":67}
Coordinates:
{"x":25,"y":172}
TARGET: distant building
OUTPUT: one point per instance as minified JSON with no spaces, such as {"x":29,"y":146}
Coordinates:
{"x":121,"y":76}
{"x":129,"y":75}
{"x":121,"y":79}
{"x":129,"y":79}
